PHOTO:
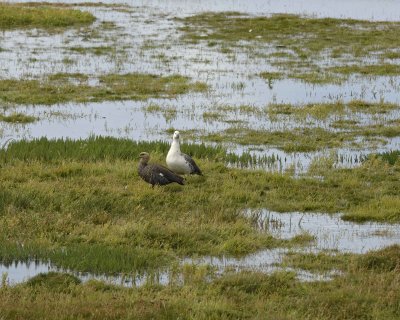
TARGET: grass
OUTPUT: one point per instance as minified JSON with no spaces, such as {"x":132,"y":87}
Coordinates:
{"x":169,"y":113}
{"x":313,"y":126}
{"x":391,"y":157}
{"x":117,"y":210}
{"x":322,"y":111}
{"x":13,"y":16}
{"x":314,"y":50}
{"x":65,"y":87}
{"x":96,"y":50}
{"x":82,"y":205}
{"x":374,"y":70}
{"x":18,"y":118}
{"x":296,"y":140}
{"x":367,"y":290}
{"x":385,"y":260}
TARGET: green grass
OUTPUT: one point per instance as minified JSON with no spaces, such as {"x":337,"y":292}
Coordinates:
{"x":64,"y":87}
{"x":168,"y":112}
{"x":295,"y":140}
{"x":385,"y":260}
{"x":391,"y":157}
{"x":95,"y":182}
{"x":47,"y":17}
{"x":367,"y":290}
{"x":322,"y":111}
{"x":374,"y":70}
{"x":82,"y":205}
{"x":96,"y":50}
{"x":316,"y":126}
{"x":314,"y":50}
{"x":18,"y":118}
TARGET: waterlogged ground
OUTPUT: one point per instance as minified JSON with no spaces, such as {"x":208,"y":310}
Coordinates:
{"x":241,"y":75}
{"x":293,"y":116}
{"x":330,"y":233}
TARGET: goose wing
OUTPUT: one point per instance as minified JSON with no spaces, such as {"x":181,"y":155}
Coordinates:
{"x":194,"y":169}
{"x":162,"y":175}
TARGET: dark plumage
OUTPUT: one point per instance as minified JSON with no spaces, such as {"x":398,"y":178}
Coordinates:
{"x":156,"y":174}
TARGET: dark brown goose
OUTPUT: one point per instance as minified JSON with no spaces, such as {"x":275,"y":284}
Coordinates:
{"x":156,"y":174}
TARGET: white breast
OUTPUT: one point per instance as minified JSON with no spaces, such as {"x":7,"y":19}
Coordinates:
{"x":176,"y":161}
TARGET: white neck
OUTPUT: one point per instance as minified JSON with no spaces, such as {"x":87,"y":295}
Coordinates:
{"x":175,"y":146}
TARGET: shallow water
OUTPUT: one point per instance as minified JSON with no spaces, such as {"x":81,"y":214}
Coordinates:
{"x":387,"y":10}
{"x":147,"y":39}
{"x":19,"y":272}
{"x":330,"y":231}
{"x":331,"y":234}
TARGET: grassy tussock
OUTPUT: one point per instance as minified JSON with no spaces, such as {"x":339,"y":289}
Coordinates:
{"x":14,"y":16}
{"x":368,"y":290}
{"x":384,"y":260}
{"x":391,"y":157}
{"x":307,"y":139}
{"x":18,"y":118}
{"x":64,"y":87}
{"x":295,"y":140}
{"x":322,"y":111}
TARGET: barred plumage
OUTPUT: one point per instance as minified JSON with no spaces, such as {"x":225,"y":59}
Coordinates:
{"x":156,"y":174}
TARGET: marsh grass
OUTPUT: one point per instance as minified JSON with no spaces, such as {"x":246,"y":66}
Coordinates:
{"x":391,"y":157}
{"x":169,"y":113}
{"x":18,"y":118}
{"x":318,"y":126}
{"x":368,"y":289}
{"x":84,"y":257}
{"x":65,"y":87}
{"x":384,"y":260}
{"x":43,"y":16}
{"x":374,"y":70}
{"x":300,"y":43}
{"x":97,"y":208}
{"x":96,"y":50}
{"x":322,"y":111}
{"x":296,"y":140}
{"x":80,"y":203}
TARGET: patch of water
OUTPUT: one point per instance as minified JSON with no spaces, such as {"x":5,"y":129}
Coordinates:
{"x":330,"y":231}
{"x":275,"y":160}
{"x":155,"y":47}
{"x":19,"y":272}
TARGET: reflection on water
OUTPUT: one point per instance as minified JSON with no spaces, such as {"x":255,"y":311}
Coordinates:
{"x":147,"y":39}
{"x":19,"y":272}
{"x":330,"y":232}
